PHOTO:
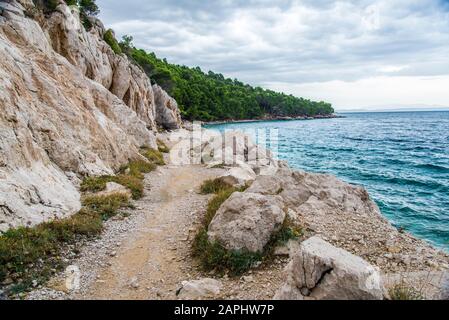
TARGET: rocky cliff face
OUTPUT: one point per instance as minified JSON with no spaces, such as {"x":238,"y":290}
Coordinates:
{"x":69,"y":107}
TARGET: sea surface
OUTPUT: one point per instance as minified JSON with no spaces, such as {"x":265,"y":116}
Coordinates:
{"x":402,"y":158}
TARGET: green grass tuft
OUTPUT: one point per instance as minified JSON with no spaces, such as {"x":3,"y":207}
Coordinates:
{"x":162,"y":147}
{"x":289,"y":231}
{"x":95,"y":184}
{"x":106,"y":206}
{"x":154,"y":156}
{"x":402,"y":291}
{"x":213,"y":256}
{"x":214,"y":186}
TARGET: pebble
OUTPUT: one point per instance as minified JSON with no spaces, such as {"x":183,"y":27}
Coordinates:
{"x":134,"y":283}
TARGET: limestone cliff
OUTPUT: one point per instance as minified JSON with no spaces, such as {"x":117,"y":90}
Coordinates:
{"x":69,"y":107}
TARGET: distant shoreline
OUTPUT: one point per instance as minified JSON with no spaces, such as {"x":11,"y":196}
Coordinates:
{"x":332,"y":116}
{"x":392,"y":111}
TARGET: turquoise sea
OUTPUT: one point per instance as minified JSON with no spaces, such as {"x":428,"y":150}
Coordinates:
{"x":402,"y":158}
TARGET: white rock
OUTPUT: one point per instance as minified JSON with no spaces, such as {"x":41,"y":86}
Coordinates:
{"x":72,"y":280}
{"x":115,"y":188}
{"x":197,"y":289}
{"x":247,"y":221}
{"x":320,"y":271}
{"x":238,"y":176}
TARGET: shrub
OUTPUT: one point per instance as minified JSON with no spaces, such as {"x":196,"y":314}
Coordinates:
{"x":155,"y":156}
{"x":135,"y":184}
{"x":214,"y":186}
{"x":138,"y":167}
{"x":112,"y":42}
{"x":95,"y":184}
{"x":83,"y":223}
{"x":289,"y":231}
{"x":106,"y":206}
{"x":162,"y":147}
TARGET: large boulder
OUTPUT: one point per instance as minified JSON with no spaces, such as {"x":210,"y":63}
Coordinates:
{"x":167,"y":112}
{"x":247,"y":221}
{"x":320,"y":271}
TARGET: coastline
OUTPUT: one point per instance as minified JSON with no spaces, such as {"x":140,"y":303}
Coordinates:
{"x":108,"y":269}
{"x":299,"y":118}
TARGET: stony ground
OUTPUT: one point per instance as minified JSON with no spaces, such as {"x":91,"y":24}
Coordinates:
{"x":147,"y":254}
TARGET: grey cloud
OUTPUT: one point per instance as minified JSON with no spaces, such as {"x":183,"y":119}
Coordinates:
{"x":291,"y":41}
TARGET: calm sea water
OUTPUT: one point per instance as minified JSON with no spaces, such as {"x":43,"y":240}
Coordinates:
{"x":401,"y":158}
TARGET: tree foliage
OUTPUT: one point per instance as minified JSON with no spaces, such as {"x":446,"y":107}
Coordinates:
{"x":210,"y":96}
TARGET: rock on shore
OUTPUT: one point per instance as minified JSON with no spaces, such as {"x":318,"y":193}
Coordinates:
{"x":320,"y":271}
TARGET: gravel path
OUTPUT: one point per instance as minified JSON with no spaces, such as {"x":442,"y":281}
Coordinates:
{"x":147,"y":254}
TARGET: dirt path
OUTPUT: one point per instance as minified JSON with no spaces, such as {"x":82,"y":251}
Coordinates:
{"x":155,"y":259}
{"x":147,"y":256}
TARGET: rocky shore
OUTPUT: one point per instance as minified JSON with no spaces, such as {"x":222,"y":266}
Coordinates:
{"x":347,"y":249}
{"x":270,"y":118}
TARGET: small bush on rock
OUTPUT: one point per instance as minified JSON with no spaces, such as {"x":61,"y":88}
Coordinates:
{"x":289,"y":231}
{"x":155,"y":156}
{"x":162,"y":147}
{"x":106,"y":206}
{"x":95,"y":184}
{"x":214,"y":186}
{"x":112,"y":42}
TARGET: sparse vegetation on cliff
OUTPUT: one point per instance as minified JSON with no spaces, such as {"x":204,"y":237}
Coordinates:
{"x":87,"y":8}
{"x":162,"y":147}
{"x":130,"y":176}
{"x":111,"y":41}
{"x":155,"y":156}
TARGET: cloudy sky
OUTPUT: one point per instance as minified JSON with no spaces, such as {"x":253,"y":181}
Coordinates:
{"x":356,"y":54}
